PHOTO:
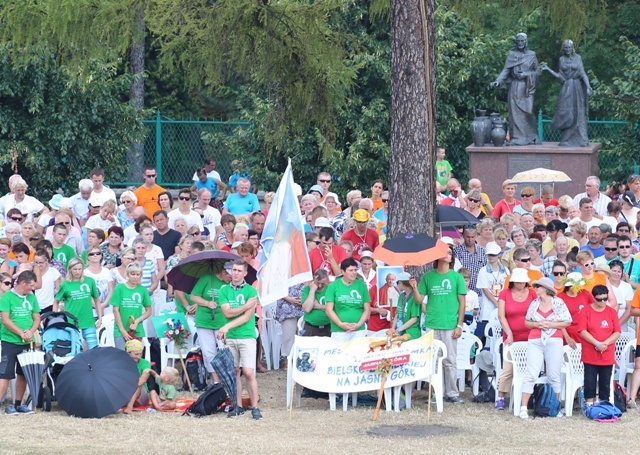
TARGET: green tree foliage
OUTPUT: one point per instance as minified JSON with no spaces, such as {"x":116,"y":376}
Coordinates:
{"x":57,"y":123}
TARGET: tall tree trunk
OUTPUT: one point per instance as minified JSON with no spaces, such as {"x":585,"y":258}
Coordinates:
{"x":413,"y":118}
{"x":135,"y":159}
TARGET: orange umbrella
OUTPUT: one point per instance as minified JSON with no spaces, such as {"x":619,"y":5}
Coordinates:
{"x":411,"y":249}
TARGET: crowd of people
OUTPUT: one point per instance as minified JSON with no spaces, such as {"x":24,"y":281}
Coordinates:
{"x":553,"y":270}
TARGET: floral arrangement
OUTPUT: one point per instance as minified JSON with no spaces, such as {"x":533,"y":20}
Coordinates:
{"x":384,"y":367}
{"x":177,"y":332}
{"x":576,"y":282}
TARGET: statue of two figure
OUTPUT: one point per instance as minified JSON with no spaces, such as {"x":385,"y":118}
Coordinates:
{"x":521,"y":71}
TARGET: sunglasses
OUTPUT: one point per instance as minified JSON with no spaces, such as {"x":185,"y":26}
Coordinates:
{"x":7,"y":283}
{"x":324,"y":181}
{"x":474,"y":200}
{"x":526,"y":195}
{"x":385,"y":200}
{"x":610,"y":249}
{"x":94,"y":254}
{"x":183,"y":198}
{"x":524,"y":259}
{"x":35,"y":239}
{"x":150,"y":176}
{"x":16,"y":218}
{"x":624,"y":247}
{"x":588,"y":264}
{"x":602,"y":299}
{"x":559,"y":273}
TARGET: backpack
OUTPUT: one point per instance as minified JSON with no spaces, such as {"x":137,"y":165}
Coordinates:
{"x":603,"y":412}
{"x":545,"y":402}
{"x":194,"y":369}
{"x":619,"y":397}
{"x":209,"y":402}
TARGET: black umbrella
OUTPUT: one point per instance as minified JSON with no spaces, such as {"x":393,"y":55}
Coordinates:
{"x":453,"y":216}
{"x":32,"y":363}
{"x":223,"y":365}
{"x":97,"y":382}
{"x":185,"y":274}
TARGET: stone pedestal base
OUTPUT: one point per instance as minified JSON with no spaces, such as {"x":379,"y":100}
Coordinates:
{"x":492,"y":165}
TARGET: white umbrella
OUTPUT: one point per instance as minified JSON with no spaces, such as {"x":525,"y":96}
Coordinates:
{"x":540,"y":175}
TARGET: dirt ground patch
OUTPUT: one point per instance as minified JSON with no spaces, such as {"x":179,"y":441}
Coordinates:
{"x":477,"y":429}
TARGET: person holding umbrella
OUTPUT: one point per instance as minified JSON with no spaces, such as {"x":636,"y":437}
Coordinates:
{"x":131,"y":303}
{"x":238,"y":302}
{"x":20,"y":314}
{"x":209,"y":317}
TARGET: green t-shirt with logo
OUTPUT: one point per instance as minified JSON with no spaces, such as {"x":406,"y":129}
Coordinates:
{"x":64,"y":254}
{"x":208,"y":287}
{"x":20,"y":311}
{"x":132,"y":302}
{"x":236,"y":298}
{"x":316,"y":317}
{"x":348,"y":301}
{"x":78,"y":299}
{"x":442,"y":291}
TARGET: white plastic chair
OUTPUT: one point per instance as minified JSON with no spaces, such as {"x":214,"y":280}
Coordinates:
{"x":105,"y":334}
{"x":463,"y":360}
{"x":497,"y":361}
{"x":435,"y":378}
{"x":493,"y":330}
{"x":300,"y":325}
{"x":625,"y":364}
{"x":622,"y":358}
{"x":517,"y":355}
{"x":574,"y":379}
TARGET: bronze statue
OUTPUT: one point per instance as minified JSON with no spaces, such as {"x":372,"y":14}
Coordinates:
{"x":521,"y":71}
{"x":573,"y":102}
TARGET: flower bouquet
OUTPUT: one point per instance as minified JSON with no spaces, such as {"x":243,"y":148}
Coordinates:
{"x":177,"y":332}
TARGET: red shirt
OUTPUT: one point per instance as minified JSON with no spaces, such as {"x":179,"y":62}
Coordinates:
{"x":575,"y":305}
{"x":320,"y":261}
{"x":553,"y":202}
{"x":370,"y":239}
{"x":600,"y":324}
{"x":376,"y":322}
{"x":515,"y":313}
{"x":502,"y":207}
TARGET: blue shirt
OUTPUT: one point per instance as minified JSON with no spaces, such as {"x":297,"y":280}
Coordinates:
{"x":210,"y":184}
{"x":597,"y":252}
{"x":233,"y":178}
{"x":237,"y":205}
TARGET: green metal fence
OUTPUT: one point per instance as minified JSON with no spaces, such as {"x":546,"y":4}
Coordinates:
{"x":598,"y":131}
{"x":179,"y":147}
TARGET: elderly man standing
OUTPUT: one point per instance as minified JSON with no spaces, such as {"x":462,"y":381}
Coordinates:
{"x":242,"y":201}
{"x":365,"y":204}
{"x":80,"y":200}
{"x":592,"y":191}
{"x":471,"y":255}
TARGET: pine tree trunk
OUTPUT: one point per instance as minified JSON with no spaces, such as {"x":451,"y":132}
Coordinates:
{"x":135,"y":158}
{"x":413,"y":118}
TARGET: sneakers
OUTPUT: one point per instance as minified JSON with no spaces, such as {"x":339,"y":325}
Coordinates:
{"x":500,"y":404}
{"x":22,"y":409}
{"x":10,"y":410}
{"x":237,"y":412}
{"x":256,"y":414}
{"x":454,"y":400}
{"x":524,"y":413}
{"x":631,"y":404}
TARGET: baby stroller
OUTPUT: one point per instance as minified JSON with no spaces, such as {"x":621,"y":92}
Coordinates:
{"x":61,"y":341}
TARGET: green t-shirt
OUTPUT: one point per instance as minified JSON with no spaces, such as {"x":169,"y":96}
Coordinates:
{"x":64,"y":254}
{"x":131,"y":303}
{"x":316,"y":317}
{"x":236,"y":298}
{"x":143,"y":364}
{"x":78,"y":299}
{"x":20,"y":311}
{"x":442,"y":291}
{"x":167,"y":391}
{"x":412,"y":310}
{"x":442,"y":172}
{"x":179,"y":307}
{"x":208,"y":287}
{"x":348,"y":301}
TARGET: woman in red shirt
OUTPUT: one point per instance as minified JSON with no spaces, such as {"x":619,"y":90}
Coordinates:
{"x":600,"y":328}
{"x":513,"y":304}
{"x":576,"y":298}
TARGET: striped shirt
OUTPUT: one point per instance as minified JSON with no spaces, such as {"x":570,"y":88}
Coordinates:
{"x":599,"y":205}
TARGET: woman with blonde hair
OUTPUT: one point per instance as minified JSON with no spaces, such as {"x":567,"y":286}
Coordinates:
{"x":118,"y":273}
{"x":593,"y":277}
{"x":268,"y":200}
{"x":527,"y":195}
{"x":579,"y":231}
{"x":28,"y":205}
{"x":79,"y":295}
{"x":105,"y":219}
{"x":131,"y":304}
{"x":538,"y":213}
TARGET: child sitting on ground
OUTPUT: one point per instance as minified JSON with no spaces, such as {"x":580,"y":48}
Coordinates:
{"x":165,"y":400}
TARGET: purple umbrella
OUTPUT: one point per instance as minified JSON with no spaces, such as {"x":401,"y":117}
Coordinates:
{"x":185,"y":274}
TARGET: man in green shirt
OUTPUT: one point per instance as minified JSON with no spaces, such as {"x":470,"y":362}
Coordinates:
{"x":20,"y":314}
{"x":445,"y":291}
{"x":238,"y":302}
{"x":209,"y":317}
{"x":348,"y":303}
{"x":61,"y":251}
{"x":316,"y":321}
